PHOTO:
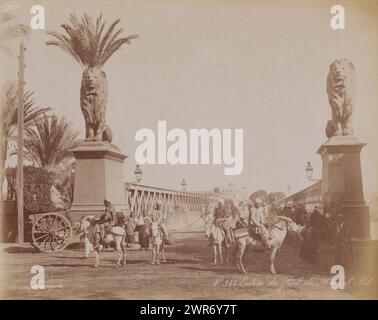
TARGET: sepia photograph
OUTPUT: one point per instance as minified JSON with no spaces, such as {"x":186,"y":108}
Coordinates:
{"x":188,"y":150}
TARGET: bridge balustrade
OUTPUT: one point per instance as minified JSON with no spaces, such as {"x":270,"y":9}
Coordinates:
{"x":142,"y":197}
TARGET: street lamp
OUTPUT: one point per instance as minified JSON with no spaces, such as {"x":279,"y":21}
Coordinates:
{"x":138,"y":174}
{"x":183,"y":185}
{"x":309,"y":170}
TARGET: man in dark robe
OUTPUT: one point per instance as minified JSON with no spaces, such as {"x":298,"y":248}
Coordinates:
{"x":104,"y":225}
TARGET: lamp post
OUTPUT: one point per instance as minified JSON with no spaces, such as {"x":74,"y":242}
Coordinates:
{"x":309,"y":170}
{"x":183,"y":185}
{"x":138,"y":177}
{"x":138,"y":174}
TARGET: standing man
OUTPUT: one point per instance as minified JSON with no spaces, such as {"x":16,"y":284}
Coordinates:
{"x":130,"y":228}
{"x":144,"y":233}
{"x":300,"y":215}
{"x":159,"y":217}
{"x":316,"y":227}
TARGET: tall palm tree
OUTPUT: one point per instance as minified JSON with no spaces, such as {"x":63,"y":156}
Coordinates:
{"x":9,"y":29}
{"x":91,"y":44}
{"x":9,"y":116}
{"x":48,"y":143}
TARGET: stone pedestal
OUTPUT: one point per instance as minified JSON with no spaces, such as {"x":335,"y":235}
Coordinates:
{"x":98,"y":176}
{"x":342,"y":182}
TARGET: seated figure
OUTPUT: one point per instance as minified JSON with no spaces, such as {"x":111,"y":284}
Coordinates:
{"x":222,"y":219}
{"x":256,"y":222}
{"x":103,"y":225}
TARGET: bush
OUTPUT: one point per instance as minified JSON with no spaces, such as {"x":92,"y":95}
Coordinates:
{"x":37,"y":188}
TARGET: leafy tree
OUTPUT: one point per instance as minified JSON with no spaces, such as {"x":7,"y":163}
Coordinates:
{"x":9,"y":29}
{"x":9,"y":118}
{"x":45,"y":190}
{"x":48,"y":143}
{"x":276,"y":196}
{"x":259,"y":194}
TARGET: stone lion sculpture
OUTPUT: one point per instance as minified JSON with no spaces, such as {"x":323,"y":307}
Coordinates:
{"x":93,"y":100}
{"x":341,"y":97}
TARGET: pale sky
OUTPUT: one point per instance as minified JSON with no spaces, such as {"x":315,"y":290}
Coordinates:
{"x":256,"y":65}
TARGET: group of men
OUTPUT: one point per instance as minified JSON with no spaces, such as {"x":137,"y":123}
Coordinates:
{"x":229,"y":217}
{"x":258,"y":217}
{"x":130,"y":223}
{"x":320,"y":227}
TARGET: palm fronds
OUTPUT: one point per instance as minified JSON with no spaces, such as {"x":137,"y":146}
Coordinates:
{"x":9,"y":117}
{"x":49,"y":141}
{"x":86,"y":41}
{"x":9,"y":110}
{"x":10,"y":29}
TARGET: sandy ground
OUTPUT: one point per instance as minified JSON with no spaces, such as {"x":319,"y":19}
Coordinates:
{"x":188,"y":274}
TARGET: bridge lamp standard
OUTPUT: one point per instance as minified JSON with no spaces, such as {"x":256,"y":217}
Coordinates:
{"x":183,"y":185}
{"x":309,"y":170}
{"x":138,"y":173}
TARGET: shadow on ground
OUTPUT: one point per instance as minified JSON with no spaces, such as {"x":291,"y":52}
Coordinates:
{"x":20,"y":249}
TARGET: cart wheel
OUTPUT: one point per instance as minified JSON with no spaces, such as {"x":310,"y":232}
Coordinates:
{"x":51,"y":232}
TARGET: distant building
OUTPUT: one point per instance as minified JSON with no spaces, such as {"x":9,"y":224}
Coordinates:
{"x":232,"y":192}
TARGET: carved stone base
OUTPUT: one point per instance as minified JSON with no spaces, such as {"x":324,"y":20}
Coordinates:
{"x":98,"y":176}
{"x":342,"y":188}
{"x":365,"y":258}
{"x":358,"y":215}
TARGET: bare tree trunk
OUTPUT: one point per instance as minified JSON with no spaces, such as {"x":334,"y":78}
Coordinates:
{"x":3,"y":157}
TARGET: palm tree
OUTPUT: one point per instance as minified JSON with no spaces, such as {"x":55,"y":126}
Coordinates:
{"x":91,"y":45}
{"x":48,"y":143}
{"x":9,"y":29}
{"x":9,"y":116}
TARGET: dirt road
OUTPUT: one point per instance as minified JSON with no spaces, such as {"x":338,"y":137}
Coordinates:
{"x":188,"y":274}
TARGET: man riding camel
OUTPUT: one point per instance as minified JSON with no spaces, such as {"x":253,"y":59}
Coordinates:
{"x":222,"y":220}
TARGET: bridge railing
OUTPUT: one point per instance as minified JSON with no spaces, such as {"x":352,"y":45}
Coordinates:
{"x":308,"y":197}
{"x":142,"y":197}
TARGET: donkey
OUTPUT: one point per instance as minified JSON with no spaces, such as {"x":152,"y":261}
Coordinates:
{"x":157,"y":242}
{"x":86,"y":229}
{"x":273,"y":240}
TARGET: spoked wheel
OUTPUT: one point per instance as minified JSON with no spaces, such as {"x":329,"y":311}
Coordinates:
{"x":51,"y":232}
